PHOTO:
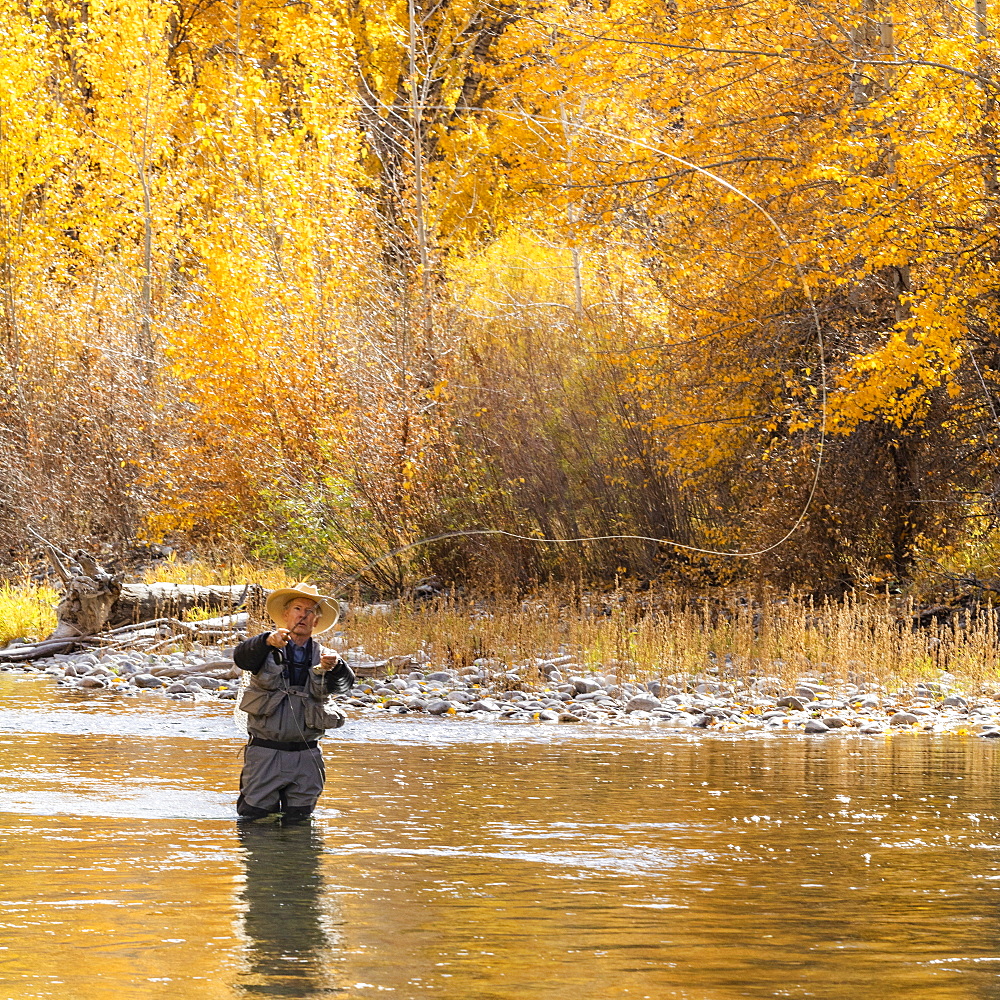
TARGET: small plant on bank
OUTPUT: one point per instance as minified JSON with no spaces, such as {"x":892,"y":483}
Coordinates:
{"x":27,"y":611}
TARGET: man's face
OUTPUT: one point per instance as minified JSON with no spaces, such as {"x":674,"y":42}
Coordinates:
{"x":300,"y":618}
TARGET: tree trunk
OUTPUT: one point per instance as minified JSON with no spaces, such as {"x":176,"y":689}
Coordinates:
{"x":88,"y":596}
{"x":140,"y":602}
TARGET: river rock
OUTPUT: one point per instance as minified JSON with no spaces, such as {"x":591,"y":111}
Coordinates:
{"x":835,"y":722}
{"x":642,"y":703}
{"x":548,"y":715}
{"x":815,"y":726}
{"x":568,"y":717}
{"x":486,"y":705}
{"x":212,"y":683}
{"x":792,"y":702}
{"x":91,"y":682}
{"x":170,"y":670}
{"x":584,"y":685}
{"x":438,"y":707}
{"x":440,"y":675}
{"x":903,"y":719}
{"x":147,"y":681}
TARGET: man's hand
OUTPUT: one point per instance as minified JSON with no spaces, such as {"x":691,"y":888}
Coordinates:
{"x":327,"y":662}
{"x":278,"y":638}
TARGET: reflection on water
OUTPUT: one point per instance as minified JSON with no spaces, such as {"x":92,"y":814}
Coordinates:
{"x":288,"y":940}
{"x":502,"y":862}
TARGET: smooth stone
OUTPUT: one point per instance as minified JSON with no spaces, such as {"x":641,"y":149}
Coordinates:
{"x":485,"y":705}
{"x":147,"y":681}
{"x":584,"y":685}
{"x":792,"y":702}
{"x":438,"y":707}
{"x":642,"y":703}
{"x":815,"y":726}
{"x":835,"y":722}
{"x":547,"y":715}
{"x":990,"y":734}
{"x":568,"y":717}
{"x":440,"y":675}
{"x":903,"y":719}
{"x":871,"y":728}
{"x":955,"y":701}
{"x":91,"y":682}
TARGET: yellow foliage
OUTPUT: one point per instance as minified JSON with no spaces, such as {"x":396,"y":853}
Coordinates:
{"x":27,"y":611}
{"x":296,"y":228}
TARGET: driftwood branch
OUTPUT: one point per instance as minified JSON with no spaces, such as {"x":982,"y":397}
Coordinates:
{"x":53,"y":557}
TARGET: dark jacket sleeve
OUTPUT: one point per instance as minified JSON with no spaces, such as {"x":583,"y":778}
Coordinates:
{"x":251,"y":653}
{"x":340,"y":680}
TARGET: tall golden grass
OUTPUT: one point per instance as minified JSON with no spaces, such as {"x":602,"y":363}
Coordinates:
{"x":644,"y":636}
{"x":640,"y":635}
{"x":27,"y":611}
{"x":207,"y":573}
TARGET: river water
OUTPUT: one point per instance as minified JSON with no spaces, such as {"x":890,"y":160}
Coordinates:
{"x":467,"y":861}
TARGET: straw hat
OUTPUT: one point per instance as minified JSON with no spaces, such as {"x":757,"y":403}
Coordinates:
{"x":277,"y":600}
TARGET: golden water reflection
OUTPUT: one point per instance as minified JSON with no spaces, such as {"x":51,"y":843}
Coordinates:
{"x":458,"y":861}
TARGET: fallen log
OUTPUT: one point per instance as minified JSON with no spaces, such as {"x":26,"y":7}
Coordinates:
{"x":97,"y":609}
{"x":139,"y":602}
{"x":25,"y":652}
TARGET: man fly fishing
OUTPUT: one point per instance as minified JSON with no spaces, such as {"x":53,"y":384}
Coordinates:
{"x":291,"y":678}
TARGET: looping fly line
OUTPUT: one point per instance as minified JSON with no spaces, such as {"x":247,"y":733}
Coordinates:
{"x":821,"y":444}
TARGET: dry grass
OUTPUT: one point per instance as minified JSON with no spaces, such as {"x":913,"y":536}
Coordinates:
{"x":27,"y":611}
{"x":206,"y":574}
{"x":644,"y":636}
{"x":641,"y":636}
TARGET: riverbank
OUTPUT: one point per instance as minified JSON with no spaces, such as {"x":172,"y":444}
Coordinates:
{"x":559,"y":690}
